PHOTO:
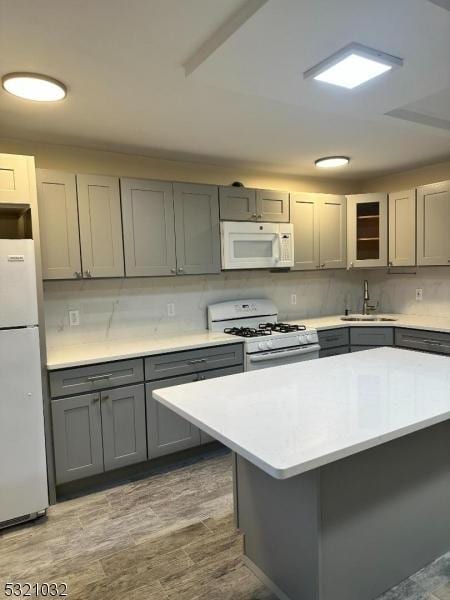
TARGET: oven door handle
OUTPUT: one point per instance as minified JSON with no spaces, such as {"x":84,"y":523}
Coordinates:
{"x":284,"y":353}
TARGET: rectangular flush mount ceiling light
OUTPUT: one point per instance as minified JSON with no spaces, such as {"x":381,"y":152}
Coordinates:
{"x":353,"y":65}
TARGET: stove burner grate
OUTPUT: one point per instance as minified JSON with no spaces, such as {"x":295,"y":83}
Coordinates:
{"x":247,"y":332}
{"x":281,"y":327}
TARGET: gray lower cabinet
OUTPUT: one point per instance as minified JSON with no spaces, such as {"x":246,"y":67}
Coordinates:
{"x":163,"y":366}
{"x":371,"y":336}
{"x":334,"y":351}
{"x":168,"y":432}
{"x":332,"y":338}
{"x":93,"y":433}
{"x":428,"y":341}
{"x":123,"y":426}
{"x":77,"y":437}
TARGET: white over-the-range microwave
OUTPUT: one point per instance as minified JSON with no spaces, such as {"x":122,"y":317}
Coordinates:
{"x":256,"y":245}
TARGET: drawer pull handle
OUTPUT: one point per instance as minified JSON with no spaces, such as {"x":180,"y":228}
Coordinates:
{"x":99,"y":377}
{"x":423,"y":341}
{"x":197,"y":361}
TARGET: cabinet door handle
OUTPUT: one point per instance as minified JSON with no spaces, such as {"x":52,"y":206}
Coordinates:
{"x":100,"y":377}
{"x":88,"y":273}
{"x":78,"y":274}
{"x":259,"y":216}
{"x":105,"y":397}
{"x":254,"y":216}
{"x":197,"y":361}
{"x":173,"y":270}
{"x":322,"y":265}
{"x":180,"y":269}
{"x":96,"y":399}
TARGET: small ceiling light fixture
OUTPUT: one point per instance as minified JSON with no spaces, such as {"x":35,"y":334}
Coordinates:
{"x":330,"y":162}
{"x":353,"y":65}
{"x":33,"y":86}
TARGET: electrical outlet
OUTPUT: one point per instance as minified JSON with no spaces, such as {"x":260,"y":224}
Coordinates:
{"x":419,"y":294}
{"x":293,"y":298}
{"x":170,"y":309}
{"x":74,"y":318}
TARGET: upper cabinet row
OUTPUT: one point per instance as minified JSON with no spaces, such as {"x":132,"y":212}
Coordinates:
{"x":403,"y":229}
{"x":168,"y":229}
{"x":98,"y":226}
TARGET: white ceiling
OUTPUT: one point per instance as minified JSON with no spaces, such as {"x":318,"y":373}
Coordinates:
{"x":244,"y":99}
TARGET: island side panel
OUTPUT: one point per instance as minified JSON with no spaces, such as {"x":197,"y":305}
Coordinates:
{"x":385,"y":513}
{"x":279,"y":520}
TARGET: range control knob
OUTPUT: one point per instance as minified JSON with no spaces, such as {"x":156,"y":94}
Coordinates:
{"x":262,"y":346}
{"x":302,"y":339}
{"x":269,"y":344}
{"x":312,"y":337}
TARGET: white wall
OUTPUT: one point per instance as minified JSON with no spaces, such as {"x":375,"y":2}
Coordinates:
{"x":397,"y":293}
{"x":124,"y":308}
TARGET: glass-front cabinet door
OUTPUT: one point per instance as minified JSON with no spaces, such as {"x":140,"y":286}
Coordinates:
{"x":367,"y":230}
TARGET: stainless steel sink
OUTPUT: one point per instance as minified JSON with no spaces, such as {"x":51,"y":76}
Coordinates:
{"x":368,"y":318}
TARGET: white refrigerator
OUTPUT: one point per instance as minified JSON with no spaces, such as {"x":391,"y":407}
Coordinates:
{"x":23,"y":473}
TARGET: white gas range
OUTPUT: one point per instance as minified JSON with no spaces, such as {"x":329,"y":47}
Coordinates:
{"x":267,"y":343}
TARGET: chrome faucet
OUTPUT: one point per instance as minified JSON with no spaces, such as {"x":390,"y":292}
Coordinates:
{"x":366,"y":300}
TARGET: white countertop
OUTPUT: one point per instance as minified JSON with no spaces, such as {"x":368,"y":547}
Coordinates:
{"x":90,"y":353}
{"x":429,"y":323}
{"x":290,"y":419}
{"x":110,"y":350}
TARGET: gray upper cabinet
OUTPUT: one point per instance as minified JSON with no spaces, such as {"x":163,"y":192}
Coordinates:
{"x":305,"y":218}
{"x":319,"y":231}
{"x":237,"y":203}
{"x":247,"y":204}
{"x":197,"y":228}
{"x":167,"y":432}
{"x":402,"y":228}
{"x":58,"y":217}
{"x":272,"y":206}
{"x":148,"y":227}
{"x":333,"y":232}
{"x":433,"y":224}
{"x":367,"y":230}
{"x":77,"y":437}
{"x":123,"y":426}
{"x":100,"y":226}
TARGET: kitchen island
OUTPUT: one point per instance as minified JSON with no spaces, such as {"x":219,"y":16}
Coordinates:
{"x":342,"y":467}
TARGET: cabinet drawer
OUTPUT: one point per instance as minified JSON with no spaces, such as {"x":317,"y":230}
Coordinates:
{"x":334,"y":351}
{"x":95,"y":377}
{"x":163,"y":366}
{"x":371,"y":336}
{"x":431,"y":341}
{"x":331,"y":338}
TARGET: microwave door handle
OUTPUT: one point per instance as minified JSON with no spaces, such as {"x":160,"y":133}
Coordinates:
{"x":277,"y":256}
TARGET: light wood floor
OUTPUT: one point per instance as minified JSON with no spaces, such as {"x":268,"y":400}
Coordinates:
{"x":168,"y":537}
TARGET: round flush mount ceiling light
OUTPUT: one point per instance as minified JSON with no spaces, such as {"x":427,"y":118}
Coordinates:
{"x":330,"y":162}
{"x":33,"y":86}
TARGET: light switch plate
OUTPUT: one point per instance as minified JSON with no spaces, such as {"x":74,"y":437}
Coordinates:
{"x":419,"y":294}
{"x":74,"y":318}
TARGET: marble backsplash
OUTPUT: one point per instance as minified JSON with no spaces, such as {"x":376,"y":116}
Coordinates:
{"x":397,"y":293}
{"x":127,"y":308}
